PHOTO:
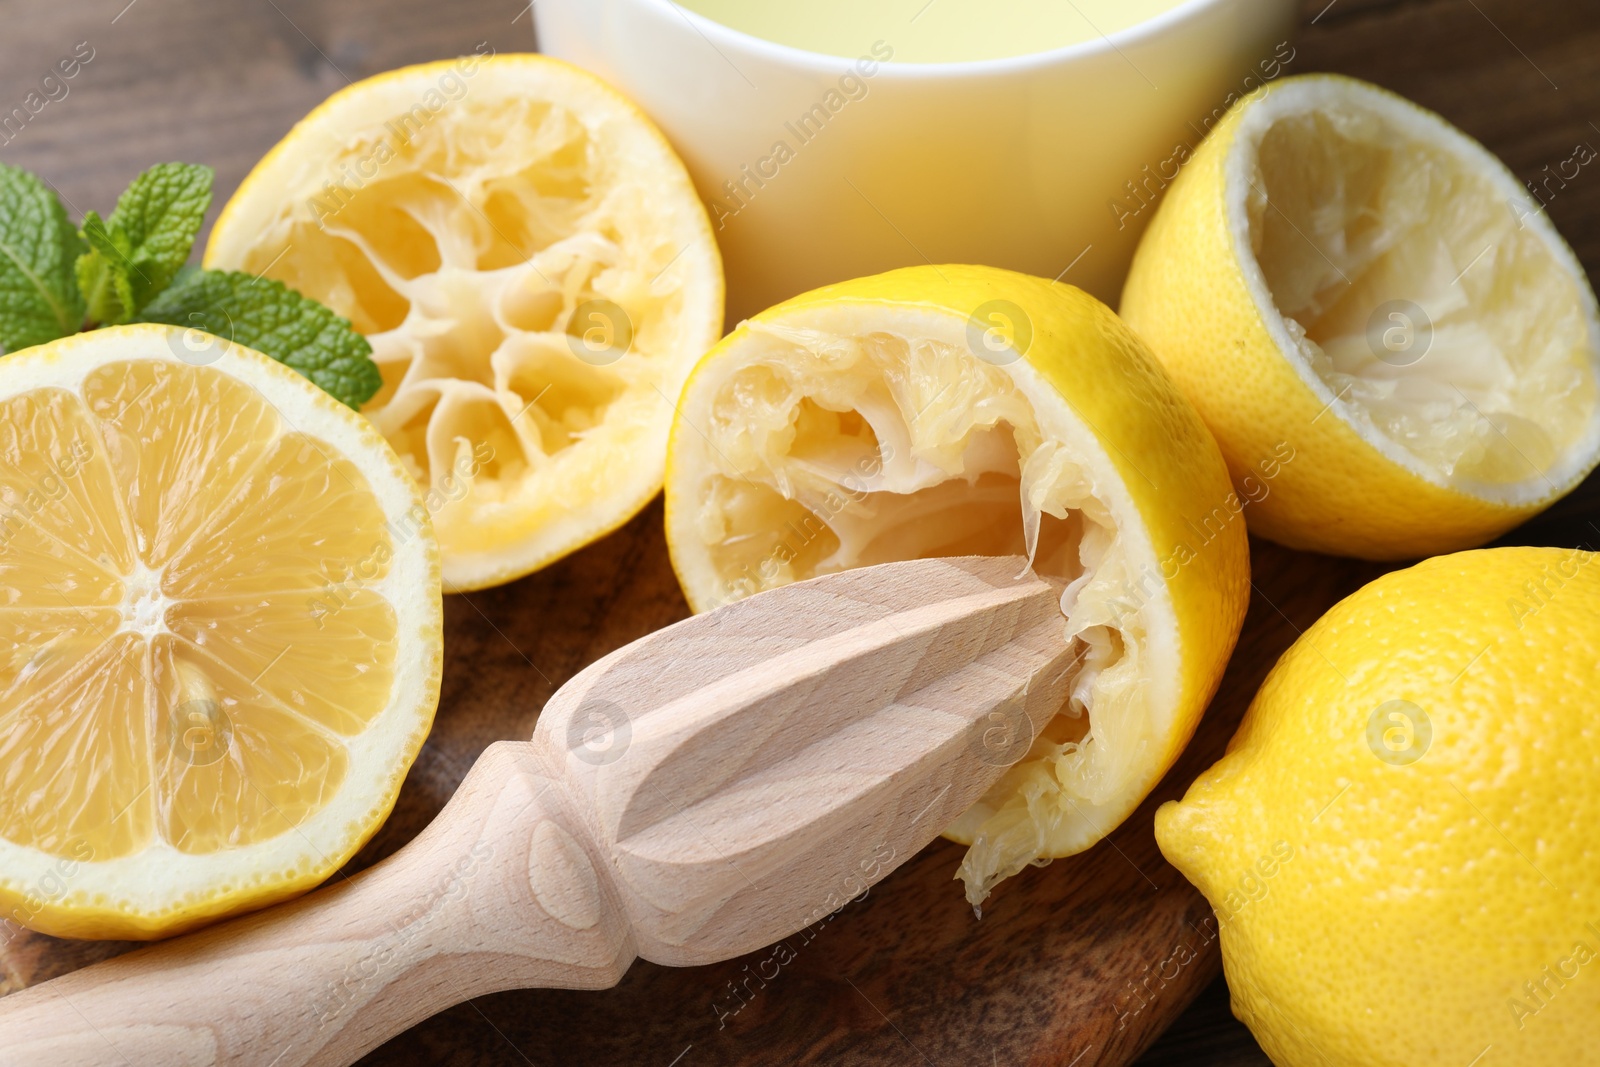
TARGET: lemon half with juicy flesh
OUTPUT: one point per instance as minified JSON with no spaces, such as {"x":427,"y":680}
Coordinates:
{"x":219,"y":599}
{"x":536,"y":276}
{"x":1343,"y":275}
{"x":942,"y":411}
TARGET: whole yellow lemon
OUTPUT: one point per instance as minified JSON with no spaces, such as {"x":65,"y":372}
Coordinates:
{"x":1400,"y":843}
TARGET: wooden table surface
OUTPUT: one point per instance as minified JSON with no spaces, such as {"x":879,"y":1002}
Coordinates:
{"x":219,"y":81}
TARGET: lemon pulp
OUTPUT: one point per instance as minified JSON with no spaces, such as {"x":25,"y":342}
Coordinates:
{"x":845,"y":451}
{"x":533,"y":271}
{"x":463,"y":263}
{"x":880,"y":437}
{"x":167,"y":682}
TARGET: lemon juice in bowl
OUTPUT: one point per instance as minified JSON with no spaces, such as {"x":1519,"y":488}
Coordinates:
{"x":931,"y":31}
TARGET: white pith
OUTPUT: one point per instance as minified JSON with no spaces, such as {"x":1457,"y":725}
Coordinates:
{"x":144,"y":607}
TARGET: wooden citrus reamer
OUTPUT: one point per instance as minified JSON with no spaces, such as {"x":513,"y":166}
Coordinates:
{"x":698,"y":794}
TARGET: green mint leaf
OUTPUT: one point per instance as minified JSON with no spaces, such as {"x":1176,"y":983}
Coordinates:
{"x":105,"y":272}
{"x":39,"y":296}
{"x":161,"y":213}
{"x":270,"y":317}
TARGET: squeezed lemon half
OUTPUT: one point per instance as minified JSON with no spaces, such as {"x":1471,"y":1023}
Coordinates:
{"x":1342,"y":273}
{"x":940,"y":411}
{"x":536,"y":275}
{"x":219,"y":600}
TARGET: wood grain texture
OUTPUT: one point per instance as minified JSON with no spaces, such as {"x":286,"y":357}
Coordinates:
{"x":905,"y":976}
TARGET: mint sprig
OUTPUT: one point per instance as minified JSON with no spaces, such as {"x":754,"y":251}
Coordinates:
{"x":57,"y":279}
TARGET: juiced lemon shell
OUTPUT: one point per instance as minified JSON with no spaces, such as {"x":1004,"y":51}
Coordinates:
{"x":1343,"y":274}
{"x":220,"y":597}
{"x":859,"y":424}
{"x":536,"y":275}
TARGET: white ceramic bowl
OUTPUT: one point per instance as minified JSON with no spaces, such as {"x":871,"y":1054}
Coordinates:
{"x":817,"y":168}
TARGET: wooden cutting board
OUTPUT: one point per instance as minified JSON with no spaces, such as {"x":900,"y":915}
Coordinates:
{"x":1083,"y":962}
